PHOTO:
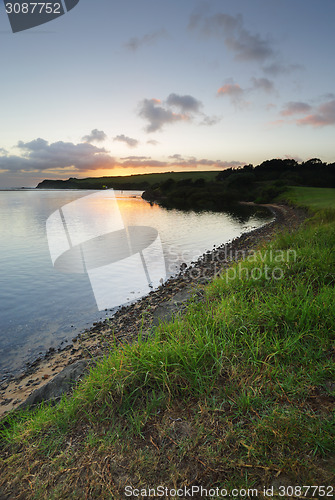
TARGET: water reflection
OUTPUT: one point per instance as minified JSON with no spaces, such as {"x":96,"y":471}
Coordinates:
{"x":39,"y":303}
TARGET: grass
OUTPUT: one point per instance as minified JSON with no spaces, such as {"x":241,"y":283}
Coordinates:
{"x":238,"y":393}
{"x":313,"y":198}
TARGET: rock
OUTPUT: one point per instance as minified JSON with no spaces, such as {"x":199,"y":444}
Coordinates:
{"x":6,"y":401}
{"x":59,"y":385}
{"x":167,"y":310}
{"x":203,"y":281}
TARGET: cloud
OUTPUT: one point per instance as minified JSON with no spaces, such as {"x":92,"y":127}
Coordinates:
{"x":323,"y":115}
{"x":263,"y":84}
{"x":193,"y":162}
{"x":35,"y":145}
{"x":137,"y":42}
{"x":64,"y":159}
{"x":279,"y":68}
{"x":132,"y":143}
{"x":143,"y":163}
{"x":297,"y":158}
{"x":95,"y":136}
{"x":176,"y":156}
{"x":157,"y":116}
{"x":231,"y":89}
{"x":136,"y":158}
{"x":188,"y":106}
{"x":186,"y":103}
{"x":295,"y":107}
{"x":153,"y":142}
{"x":234,"y":92}
{"x":277,"y":123}
{"x":270,"y":106}
{"x":237,"y":94}
{"x":39,"y":155}
{"x":218,"y":24}
{"x":319,"y":116}
{"x":177,"y":160}
{"x":209,"y":121}
{"x":328,"y":97}
{"x":249,"y":47}
{"x":246,"y":46}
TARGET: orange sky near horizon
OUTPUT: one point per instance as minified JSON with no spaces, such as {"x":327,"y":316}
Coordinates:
{"x":115,"y":172}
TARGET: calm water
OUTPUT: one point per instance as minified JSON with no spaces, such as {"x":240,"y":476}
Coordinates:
{"x":40,"y":306}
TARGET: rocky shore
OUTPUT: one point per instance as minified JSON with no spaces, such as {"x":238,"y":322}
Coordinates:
{"x":141,"y":316}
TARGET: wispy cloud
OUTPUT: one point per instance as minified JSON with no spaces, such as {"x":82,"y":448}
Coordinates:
{"x":136,"y":43}
{"x":193,"y":162}
{"x":234,"y":92}
{"x":316,"y":116}
{"x":323,"y":115}
{"x":237,"y":95}
{"x":133,"y":158}
{"x":297,"y":158}
{"x":295,"y":107}
{"x":249,"y":47}
{"x":132,"y":143}
{"x":276,"y":68}
{"x":178,"y":161}
{"x":263,"y":84}
{"x":231,"y":89}
{"x":209,"y":121}
{"x":245,"y":46}
{"x":327,"y":97}
{"x":143,"y":163}
{"x":95,"y":136}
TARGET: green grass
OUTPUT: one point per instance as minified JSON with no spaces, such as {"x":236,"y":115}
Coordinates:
{"x":313,"y":198}
{"x":238,"y":393}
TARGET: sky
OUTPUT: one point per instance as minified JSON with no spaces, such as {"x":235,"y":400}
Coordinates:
{"x":137,"y":86}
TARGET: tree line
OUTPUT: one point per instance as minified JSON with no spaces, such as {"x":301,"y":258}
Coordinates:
{"x":260,"y":184}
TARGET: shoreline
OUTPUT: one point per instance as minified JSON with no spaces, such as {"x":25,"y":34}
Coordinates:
{"x":142,"y":315}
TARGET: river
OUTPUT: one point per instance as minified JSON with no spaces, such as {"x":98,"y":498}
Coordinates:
{"x":70,"y":258}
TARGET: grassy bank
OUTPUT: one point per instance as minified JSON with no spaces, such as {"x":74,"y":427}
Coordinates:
{"x":313,"y":198}
{"x":238,"y":393}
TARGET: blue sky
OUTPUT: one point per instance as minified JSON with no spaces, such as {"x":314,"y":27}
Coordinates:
{"x":115,"y":88}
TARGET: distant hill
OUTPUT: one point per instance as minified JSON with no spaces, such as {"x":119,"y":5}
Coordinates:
{"x":137,"y":182}
{"x":213,"y":190}
{"x":261,"y":184}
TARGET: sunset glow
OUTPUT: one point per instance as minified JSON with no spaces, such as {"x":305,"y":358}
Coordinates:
{"x":138,"y":87}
